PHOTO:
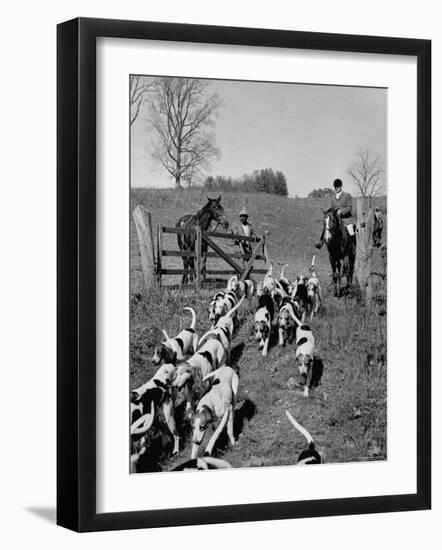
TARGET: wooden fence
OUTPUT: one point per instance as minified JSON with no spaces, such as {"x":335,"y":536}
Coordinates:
{"x":199,"y":271}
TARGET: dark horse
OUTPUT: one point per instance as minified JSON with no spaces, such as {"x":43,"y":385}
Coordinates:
{"x":341,"y":249}
{"x":212,"y":211}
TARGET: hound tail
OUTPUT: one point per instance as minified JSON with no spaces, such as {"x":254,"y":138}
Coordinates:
{"x":281,"y":275}
{"x":165,"y":334}
{"x":193,"y":323}
{"x":231,"y":311}
{"x":300,"y":429}
{"x":210,"y":375}
{"x":293,"y":316}
{"x":204,"y":336}
{"x":282,"y":291}
{"x":233,"y":278}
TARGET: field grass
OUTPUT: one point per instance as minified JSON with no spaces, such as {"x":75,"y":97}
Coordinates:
{"x":346,"y":414}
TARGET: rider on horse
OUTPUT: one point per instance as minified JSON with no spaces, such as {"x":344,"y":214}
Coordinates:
{"x":342,"y":203}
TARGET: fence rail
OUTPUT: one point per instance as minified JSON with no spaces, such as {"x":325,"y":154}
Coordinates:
{"x":198,"y":256}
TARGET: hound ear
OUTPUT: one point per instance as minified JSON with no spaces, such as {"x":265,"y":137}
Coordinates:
{"x":219,"y":199}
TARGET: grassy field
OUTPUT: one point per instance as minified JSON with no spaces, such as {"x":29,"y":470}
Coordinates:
{"x":346,"y":414}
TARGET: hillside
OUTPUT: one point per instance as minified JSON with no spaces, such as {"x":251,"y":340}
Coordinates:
{"x":346,"y":415}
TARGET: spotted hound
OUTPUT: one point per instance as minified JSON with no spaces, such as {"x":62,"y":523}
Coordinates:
{"x":175,"y":349}
{"x":218,"y":402}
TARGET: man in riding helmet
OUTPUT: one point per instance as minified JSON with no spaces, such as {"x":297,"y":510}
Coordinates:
{"x":342,"y":203}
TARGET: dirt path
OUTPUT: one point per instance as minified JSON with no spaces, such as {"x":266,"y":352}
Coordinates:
{"x":264,"y":435}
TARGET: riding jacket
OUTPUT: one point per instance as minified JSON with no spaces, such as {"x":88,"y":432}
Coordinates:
{"x":345,"y":203}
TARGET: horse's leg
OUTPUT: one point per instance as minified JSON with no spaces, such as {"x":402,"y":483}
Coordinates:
{"x":339,"y":277}
{"x":190,"y":260}
{"x":182,"y":247}
{"x":184,"y":277}
{"x":204,"y":260}
{"x":351,"y":266}
{"x":334,"y":274}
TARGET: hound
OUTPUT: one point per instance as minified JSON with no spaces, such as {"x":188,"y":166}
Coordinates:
{"x":263,"y":321}
{"x":138,"y":431}
{"x":305,"y":345}
{"x":300,"y":296}
{"x":218,"y":402}
{"x":155,"y":396}
{"x":224,"y":330}
{"x":279,"y":296}
{"x":224,"y":305}
{"x":284,"y":282}
{"x":314,"y":291}
{"x":208,"y":358}
{"x":241,"y":288}
{"x":268,"y":283}
{"x":205,"y":463}
{"x":175,"y":349}
{"x":309,"y":455}
{"x":286,"y":325}
{"x":211,"y":310}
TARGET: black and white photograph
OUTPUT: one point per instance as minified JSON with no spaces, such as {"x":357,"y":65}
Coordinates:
{"x":258,"y":274}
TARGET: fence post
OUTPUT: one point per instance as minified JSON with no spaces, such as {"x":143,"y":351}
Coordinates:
{"x":159,"y":253}
{"x":143,"y":223}
{"x":198,"y":257}
{"x":364,"y":247}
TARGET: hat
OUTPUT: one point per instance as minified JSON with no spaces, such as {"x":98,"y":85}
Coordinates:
{"x":243,"y":212}
{"x":337,"y":183}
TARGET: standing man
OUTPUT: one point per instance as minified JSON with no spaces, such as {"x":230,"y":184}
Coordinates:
{"x":342,"y":203}
{"x":246,"y":229}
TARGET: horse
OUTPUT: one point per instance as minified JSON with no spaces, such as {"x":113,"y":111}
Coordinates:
{"x":341,"y":249}
{"x":211,"y":211}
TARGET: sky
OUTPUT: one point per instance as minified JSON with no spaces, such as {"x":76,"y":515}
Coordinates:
{"x":312,"y":133}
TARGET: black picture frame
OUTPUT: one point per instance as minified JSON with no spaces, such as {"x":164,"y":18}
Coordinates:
{"x":76,"y":273}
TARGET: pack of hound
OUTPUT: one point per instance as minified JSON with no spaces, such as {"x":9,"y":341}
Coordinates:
{"x":199,"y":370}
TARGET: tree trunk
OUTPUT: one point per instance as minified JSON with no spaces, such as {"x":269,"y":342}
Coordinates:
{"x":364,"y":247}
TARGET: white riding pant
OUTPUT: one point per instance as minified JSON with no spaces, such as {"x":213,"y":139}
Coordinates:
{"x":351,"y":229}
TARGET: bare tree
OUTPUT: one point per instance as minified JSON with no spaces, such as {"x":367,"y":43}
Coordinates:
{"x":138,"y":89}
{"x":182,"y":111}
{"x":367,"y":173}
